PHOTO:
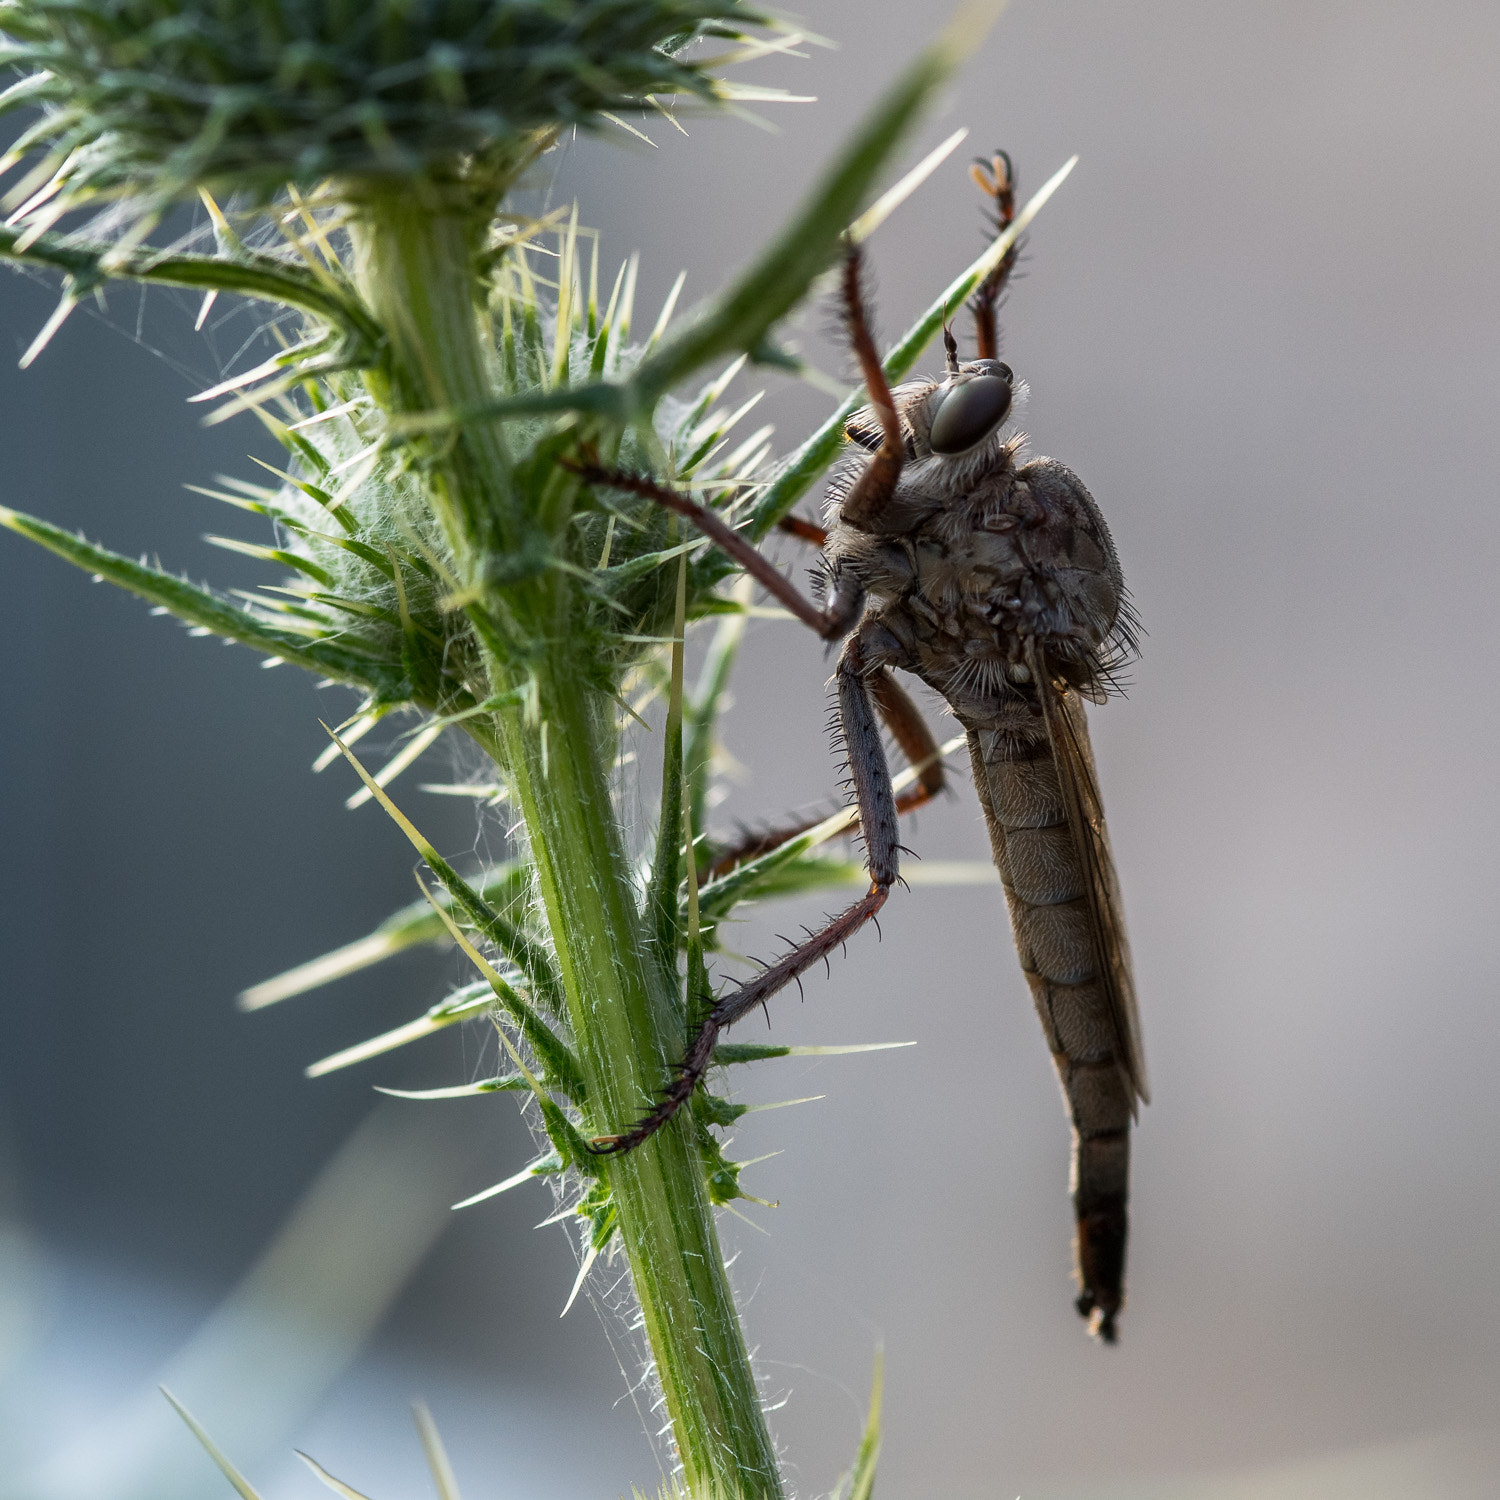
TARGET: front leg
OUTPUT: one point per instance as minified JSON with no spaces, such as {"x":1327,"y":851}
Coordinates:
{"x":863,"y":507}
{"x":911,"y":733}
{"x":996,"y":179}
{"x":877,"y":815}
{"x":871,"y":493}
{"x":842,"y":601}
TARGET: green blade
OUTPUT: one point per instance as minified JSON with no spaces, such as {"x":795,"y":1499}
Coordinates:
{"x":248,"y":274}
{"x":205,"y":610}
{"x":407,"y":928}
{"x":740,"y":320}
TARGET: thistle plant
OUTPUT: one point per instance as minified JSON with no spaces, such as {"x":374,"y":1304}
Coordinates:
{"x":444,"y":363}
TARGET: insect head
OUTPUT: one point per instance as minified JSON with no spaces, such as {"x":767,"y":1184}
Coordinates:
{"x":970,"y":404}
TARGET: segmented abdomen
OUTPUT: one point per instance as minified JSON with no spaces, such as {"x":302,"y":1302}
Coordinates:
{"x":1046,"y":888}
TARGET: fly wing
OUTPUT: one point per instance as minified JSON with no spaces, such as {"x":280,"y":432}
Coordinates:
{"x":1067,"y":729}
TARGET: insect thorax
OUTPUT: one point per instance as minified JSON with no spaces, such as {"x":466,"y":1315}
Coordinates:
{"x":977,"y":555}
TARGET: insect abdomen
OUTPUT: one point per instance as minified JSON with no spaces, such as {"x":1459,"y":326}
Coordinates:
{"x":1046,"y":890}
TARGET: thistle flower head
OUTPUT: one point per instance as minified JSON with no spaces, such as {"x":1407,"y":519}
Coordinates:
{"x":158,"y":97}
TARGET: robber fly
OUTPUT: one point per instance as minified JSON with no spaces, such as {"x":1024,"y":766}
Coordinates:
{"x":995,"y":582}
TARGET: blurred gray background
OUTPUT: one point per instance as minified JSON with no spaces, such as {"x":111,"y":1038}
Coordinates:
{"x":1262,"y":321}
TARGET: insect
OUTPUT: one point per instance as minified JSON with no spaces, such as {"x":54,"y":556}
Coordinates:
{"x":995,"y":582}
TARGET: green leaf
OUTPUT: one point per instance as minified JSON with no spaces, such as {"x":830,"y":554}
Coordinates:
{"x":703,"y":710}
{"x":511,"y":1083}
{"x":525,"y":952}
{"x":745,"y":1052}
{"x":739,"y":321}
{"x":248,"y":274}
{"x":667,"y":864}
{"x":205,"y":610}
{"x":599,"y":400}
{"x":567,"y":1142}
{"x":784,"y":871}
{"x":861,"y":1478}
{"x":465,"y":1004}
{"x":412,"y":925}
{"x":547,"y":1045}
{"x":543,"y":1166}
{"x":791,"y":866}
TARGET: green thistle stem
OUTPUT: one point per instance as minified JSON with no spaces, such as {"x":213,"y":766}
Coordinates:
{"x":627,"y":1028}
{"x":555,"y":748}
{"x":414,"y":263}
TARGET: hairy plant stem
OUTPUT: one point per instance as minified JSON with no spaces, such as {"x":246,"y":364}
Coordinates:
{"x":628,"y":1028}
{"x":555,"y":751}
{"x":414,"y":264}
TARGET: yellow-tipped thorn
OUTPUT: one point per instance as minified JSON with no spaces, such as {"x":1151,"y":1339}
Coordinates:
{"x":751,"y":1109}
{"x":336,"y":1485}
{"x":443,"y":1477}
{"x":850,"y":1047}
{"x":583,"y":1271}
{"x":523,"y":1175}
{"x":241,"y":1484}
{"x":893,"y":197}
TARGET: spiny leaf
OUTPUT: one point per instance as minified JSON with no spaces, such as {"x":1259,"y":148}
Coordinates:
{"x":537,"y":966}
{"x":570,"y":1145}
{"x":710,"y":393}
{"x":280,"y":555}
{"x":666,"y":866}
{"x":893,"y":197}
{"x":774,"y":873}
{"x":249,"y":274}
{"x":739,"y":320}
{"x":206,"y":611}
{"x":462,"y":1005}
{"x":590,"y":1256}
{"x":702,"y":715}
{"x":861,"y":1478}
{"x":512,"y":1083}
{"x":822,"y":872}
{"x":793,"y":874}
{"x":554,"y":1053}
{"x":773,"y":870}
{"x":525,"y":952}
{"x":415,"y":747}
{"x":412,"y":925}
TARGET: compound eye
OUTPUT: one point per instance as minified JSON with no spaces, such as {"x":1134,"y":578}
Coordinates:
{"x":969,"y":413}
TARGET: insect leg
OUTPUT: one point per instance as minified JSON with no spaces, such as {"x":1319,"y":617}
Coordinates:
{"x":996,"y":179}
{"x":870,"y":493}
{"x":845,"y":597}
{"x":877,"y":813}
{"x":910,"y":731}
{"x":806,"y":531}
